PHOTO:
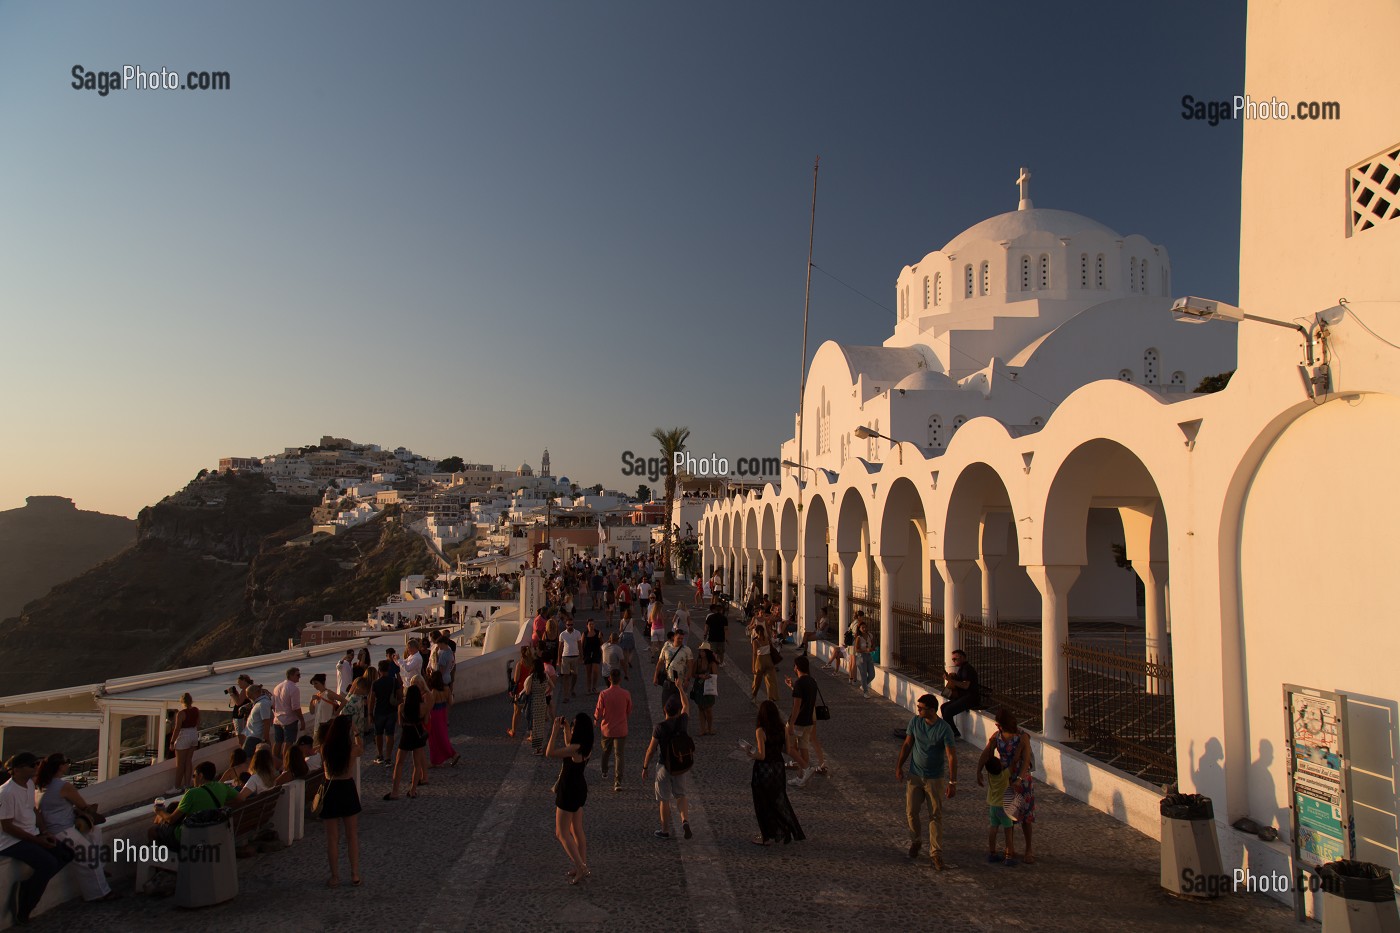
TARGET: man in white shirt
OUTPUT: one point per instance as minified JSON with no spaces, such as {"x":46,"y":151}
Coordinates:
{"x":344,"y":670}
{"x":570,"y":640}
{"x":643,"y":596}
{"x":681,"y":621}
{"x":257,"y":729}
{"x":20,"y":838}
{"x":287,"y":718}
{"x":613,"y":657}
{"x":412,"y":665}
{"x":444,"y":659}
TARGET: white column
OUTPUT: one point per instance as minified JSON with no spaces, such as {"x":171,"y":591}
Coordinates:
{"x":954,"y":574}
{"x":786,"y":559}
{"x":988,"y":564}
{"x":1054,"y":582}
{"x":770,"y":568}
{"x":109,"y":740}
{"x":846,"y":562}
{"x":889,"y":633}
{"x":1154,"y":581}
{"x":750,"y":566}
{"x":162,"y":739}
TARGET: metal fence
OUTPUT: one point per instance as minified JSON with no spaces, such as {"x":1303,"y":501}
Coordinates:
{"x":1121,"y":710}
{"x":919,"y":650}
{"x":1007,"y":659}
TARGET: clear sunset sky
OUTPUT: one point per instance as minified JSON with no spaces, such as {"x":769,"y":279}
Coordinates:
{"x":483,"y":229}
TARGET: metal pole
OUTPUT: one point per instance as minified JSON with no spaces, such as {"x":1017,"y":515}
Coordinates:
{"x":806,"y":305}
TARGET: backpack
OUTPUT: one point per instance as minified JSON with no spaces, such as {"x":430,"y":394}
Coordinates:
{"x":680,"y":753}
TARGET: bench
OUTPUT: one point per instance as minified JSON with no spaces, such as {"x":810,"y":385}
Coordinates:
{"x":247,"y":820}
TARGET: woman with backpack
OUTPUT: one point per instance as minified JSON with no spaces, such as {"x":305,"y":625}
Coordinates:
{"x":776,"y":820}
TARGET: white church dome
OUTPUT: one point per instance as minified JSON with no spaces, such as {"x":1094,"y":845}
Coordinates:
{"x":1013,"y":225}
{"x":924,"y":379}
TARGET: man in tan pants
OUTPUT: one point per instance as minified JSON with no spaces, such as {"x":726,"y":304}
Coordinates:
{"x":765,"y":672}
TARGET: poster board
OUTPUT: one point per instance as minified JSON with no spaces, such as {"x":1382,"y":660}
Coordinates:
{"x":1318,"y":793}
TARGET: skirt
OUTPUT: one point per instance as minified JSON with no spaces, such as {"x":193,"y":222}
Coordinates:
{"x":412,"y":737}
{"x":341,"y":799}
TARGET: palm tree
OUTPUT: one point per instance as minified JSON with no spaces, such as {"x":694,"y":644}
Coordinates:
{"x":672,"y":442}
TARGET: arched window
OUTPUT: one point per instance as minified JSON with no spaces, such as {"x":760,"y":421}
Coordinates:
{"x":985,"y":275}
{"x":926,"y":293}
{"x":967,"y":274}
{"x":1142,"y":277}
{"x":1025,"y":273}
{"x":1179,"y":378}
{"x":937,"y":288}
{"x":1098,"y":272}
{"x":1149,"y":366}
{"x":1132,"y":274}
{"x":1083,"y":270}
{"x":935,"y":431}
{"x":872,"y":449}
{"x":1125,"y":375}
{"x":958,"y":422}
{"x":1044,"y":271}
{"x":1165,"y":284}
{"x":845,"y":447}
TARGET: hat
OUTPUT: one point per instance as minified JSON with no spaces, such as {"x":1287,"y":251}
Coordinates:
{"x":22,"y":760}
{"x":705,"y":646}
{"x":673,"y":705}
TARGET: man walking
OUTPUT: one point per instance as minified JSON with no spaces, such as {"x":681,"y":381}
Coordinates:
{"x":803,"y":722}
{"x":614,"y":707}
{"x":670,"y":784}
{"x":675,"y":667}
{"x":570,"y":641}
{"x":344,"y":672}
{"x":715,"y":624}
{"x":933,"y":773}
{"x":287,"y":717}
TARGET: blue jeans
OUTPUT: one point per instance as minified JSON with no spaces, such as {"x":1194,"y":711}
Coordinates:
{"x":45,"y":863}
{"x":865,"y":666}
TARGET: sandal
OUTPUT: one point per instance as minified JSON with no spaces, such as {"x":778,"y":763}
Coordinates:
{"x":760,"y":841}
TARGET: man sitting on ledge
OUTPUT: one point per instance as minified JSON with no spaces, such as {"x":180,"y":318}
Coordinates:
{"x":207,"y":794}
{"x":20,"y":838}
{"x":961,"y":688}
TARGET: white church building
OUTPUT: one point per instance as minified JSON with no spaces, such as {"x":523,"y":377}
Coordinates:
{"x":988,"y":474}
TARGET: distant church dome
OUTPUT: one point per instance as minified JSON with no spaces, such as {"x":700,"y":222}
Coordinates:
{"x":524,"y":470}
{"x":1013,"y":225}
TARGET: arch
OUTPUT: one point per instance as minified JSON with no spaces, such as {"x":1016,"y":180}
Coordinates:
{"x":1179,"y":379}
{"x":935,"y":431}
{"x":852,"y":524}
{"x":937,"y":289}
{"x":1125,"y":375}
{"x":984,"y":278}
{"x":768,"y":529}
{"x":1083,"y":270}
{"x":815,"y":528}
{"x":958,"y":421}
{"x":1098,"y":471}
{"x":787,"y":527}
{"x":1150,"y":359}
{"x":1142,"y":276}
{"x":1133,"y":274}
{"x":926,"y":293}
{"x":1099,"y":280}
{"x":1025,"y":273}
{"x":977,"y":490}
{"x":903,"y":532}
{"x":967,"y":274}
{"x":1044,"y":276}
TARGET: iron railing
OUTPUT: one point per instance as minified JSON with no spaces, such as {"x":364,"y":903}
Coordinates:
{"x":1121,"y":710}
{"x":1007,"y":659}
{"x":919,"y":650}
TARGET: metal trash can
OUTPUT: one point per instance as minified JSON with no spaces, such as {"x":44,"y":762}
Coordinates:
{"x":1191,"y":863}
{"x":1357,"y":897}
{"x":208,"y":864}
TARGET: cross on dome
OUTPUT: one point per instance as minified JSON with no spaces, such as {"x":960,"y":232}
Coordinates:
{"x":1023,"y":181}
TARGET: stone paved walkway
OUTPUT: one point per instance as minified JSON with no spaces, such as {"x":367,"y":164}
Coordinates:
{"x":477,"y":851}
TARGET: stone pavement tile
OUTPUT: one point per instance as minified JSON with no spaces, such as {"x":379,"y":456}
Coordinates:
{"x":477,"y":850}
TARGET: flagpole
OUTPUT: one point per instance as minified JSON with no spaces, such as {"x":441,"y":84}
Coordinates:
{"x":806,"y":306}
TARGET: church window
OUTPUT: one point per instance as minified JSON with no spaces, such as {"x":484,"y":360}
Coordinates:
{"x":958,"y":422}
{"x":1083,"y":270}
{"x":1373,"y":190}
{"x":1149,"y":366}
{"x":872,"y":450}
{"x":1179,"y":378}
{"x":926,"y":293}
{"x":935,"y":431}
{"x":1132,"y":274}
{"x":1037,"y":422}
{"x":1098,"y":272}
{"x":845,"y":447}
{"x":1165,"y":282}
{"x":1125,"y":375}
{"x":986,"y":279}
{"x":937,"y":288}
{"x":1142,"y":276}
{"x":967,"y":274}
{"x":1044,"y":271}
{"x":1025,"y":273}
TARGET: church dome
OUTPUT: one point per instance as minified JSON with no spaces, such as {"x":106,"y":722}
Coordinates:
{"x":924,"y":380}
{"x":1013,"y":225}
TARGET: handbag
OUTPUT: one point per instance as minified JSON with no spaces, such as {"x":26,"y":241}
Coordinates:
{"x":318,"y":802}
{"x":823,"y":712}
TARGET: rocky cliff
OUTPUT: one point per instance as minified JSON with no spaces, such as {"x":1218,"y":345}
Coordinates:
{"x":51,"y":540}
{"x":210,"y":577}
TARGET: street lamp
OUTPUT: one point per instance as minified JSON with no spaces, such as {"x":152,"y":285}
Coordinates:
{"x":794,"y":465}
{"x":864,"y":431}
{"x":1194,"y":310}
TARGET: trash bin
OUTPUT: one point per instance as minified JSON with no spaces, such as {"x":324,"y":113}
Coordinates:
{"x":1191,"y":863}
{"x":1357,"y":897}
{"x":208,"y":864}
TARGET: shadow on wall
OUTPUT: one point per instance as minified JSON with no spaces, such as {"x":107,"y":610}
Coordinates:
{"x":1208,"y":772}
{"x":1270,"y":813}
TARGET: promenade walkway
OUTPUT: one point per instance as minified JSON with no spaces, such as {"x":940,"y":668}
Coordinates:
{"x":476,"y":850}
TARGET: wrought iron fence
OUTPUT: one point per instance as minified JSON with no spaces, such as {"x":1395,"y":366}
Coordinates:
{"x":1007,"y":659}
{"x":1121,"y":710}
{"x":830,"y":597}
{"x":919,"y":650}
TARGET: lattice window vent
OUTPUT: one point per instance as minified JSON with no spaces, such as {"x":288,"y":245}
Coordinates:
{"x":1374,"y":190}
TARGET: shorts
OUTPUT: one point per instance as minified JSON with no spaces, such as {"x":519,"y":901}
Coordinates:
{"x":569,"y":666}
{"x":658,"y":635}
{"x":186,"y":739}
{"x":285,"y":734}
{"x":385,"y":722}
{"x":802,"y":737}
{"x":998,"y":818}
{"x":628,"y":642}
{"x":669,"y":786}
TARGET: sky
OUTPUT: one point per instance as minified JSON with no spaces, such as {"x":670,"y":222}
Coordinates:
{"x":484,"y":229}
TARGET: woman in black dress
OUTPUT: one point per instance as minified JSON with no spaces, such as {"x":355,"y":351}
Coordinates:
{"x":776,"y":821}
{"x":413,"y":739}
{"x":573,"y":743}
{"x":340,"y":807}
{"x":592,"y":655}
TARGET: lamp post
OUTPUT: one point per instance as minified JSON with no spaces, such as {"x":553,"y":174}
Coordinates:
{"x":863,"y":432}
{"x":1195,"y":310}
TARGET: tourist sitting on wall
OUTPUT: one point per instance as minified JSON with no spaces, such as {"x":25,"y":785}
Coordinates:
{"x":961,"y":689}
{"x":60,"y":808}
{"x":20,"y":838}
{"x":207,"y":794}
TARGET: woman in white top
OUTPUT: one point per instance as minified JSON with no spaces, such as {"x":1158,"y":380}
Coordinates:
{"x":59,"y":805}
{"x":325,"y":705}
{"x":184,"y":739}
{"x":263,"y":773}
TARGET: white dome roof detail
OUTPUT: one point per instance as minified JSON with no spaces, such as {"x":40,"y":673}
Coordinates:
{"x":1015,"y":224}
{"x":925,"y":379}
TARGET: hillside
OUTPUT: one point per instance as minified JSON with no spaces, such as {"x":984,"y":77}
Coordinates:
{"x":50,"y":540}
{"x":208,"y":578}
